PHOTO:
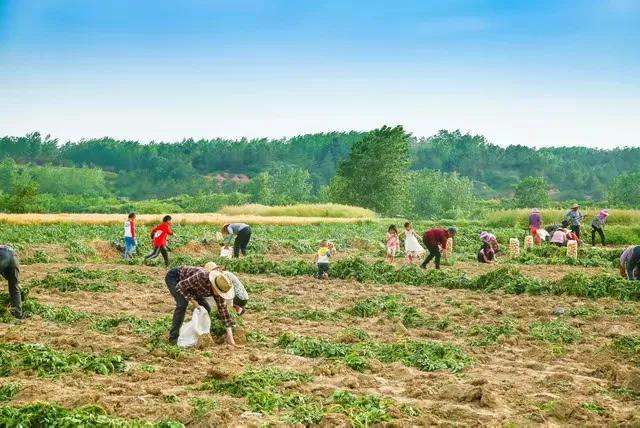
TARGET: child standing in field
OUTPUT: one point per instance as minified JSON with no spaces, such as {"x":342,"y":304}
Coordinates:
{"x":393,"y":243}
{"x":412,"y":247}
{"x":129,"y":236}
{"x":322,"y":260}
{"x":159,"y":236}
{"x":535,"y":224}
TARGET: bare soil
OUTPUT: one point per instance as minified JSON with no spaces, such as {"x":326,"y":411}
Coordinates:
{"x":518,"y":381}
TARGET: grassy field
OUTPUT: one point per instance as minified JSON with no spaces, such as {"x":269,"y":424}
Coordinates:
{"x":471,"y":345}
{"x":301,"y":210}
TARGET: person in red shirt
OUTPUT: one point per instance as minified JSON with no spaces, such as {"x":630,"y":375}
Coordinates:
{"x":159,"y":236}
{"x":434,"y":240}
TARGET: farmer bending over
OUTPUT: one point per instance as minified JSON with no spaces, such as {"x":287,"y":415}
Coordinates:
{"x":188,"y":283}
{"x":630,"y":262}
{"x":435,"y":239}
{"x":10,"y":270}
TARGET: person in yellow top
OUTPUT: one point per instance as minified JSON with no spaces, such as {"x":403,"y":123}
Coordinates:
{"x":322,"y":260}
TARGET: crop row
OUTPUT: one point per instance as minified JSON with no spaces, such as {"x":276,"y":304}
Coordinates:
{"x":507,"y":279}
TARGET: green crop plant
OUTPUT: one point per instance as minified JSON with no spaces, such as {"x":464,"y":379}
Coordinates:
{"x":313,"y":315}
{"x":491,"y":334}
{"x":200,"y":407}
{"x":425,"y":356}
{"x":593,"y":408}
{"x":633,"y":394}
{"x":60,"y":315}
{"x":362,"y":410}
{"x":48,"y":362}
{"x":394,"y":307}
{"x":40,"y":414}
{"x":628,"y":346}
{"x":8,"y":391}
{"x":555,"y":332}
{"x":263,"y":389}
{"x":38,"y":256}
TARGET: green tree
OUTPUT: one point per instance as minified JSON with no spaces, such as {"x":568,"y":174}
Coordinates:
{"x":23,"y":197}
{"x":259,"y":187}
{"x":532,"y":192}
{"x":435,"y":194}
{"x":289,"y":185}
{"x":8,"y":175}
{"x":625,"y":190}
{"x":375,"y":174}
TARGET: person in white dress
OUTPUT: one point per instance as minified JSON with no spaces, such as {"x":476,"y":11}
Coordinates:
{"x":412,"y":248}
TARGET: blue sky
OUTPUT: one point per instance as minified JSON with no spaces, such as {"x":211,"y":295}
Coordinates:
{"x":538,"y":73}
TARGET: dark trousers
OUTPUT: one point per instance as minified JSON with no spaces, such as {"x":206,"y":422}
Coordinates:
{"x":171,"y":279}
{"x":593,"y":235}
{"x":241,"y":242}
{"x":434,"y":252}
{"x":322,"y":269}
{"x":10,"y":270}
{"x":576,"y":229}
{"x":156,"y":252}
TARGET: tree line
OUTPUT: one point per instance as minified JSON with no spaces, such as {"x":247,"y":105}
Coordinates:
{"x":438,"y":176}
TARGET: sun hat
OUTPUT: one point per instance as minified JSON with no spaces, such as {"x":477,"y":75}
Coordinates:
{"x":536,"y":211}
{"x":484,"y":235}
{"x":211,"y":266}
{"x":221,"y":285}
{"x":604,"y":213}
{"x":574,"y":206}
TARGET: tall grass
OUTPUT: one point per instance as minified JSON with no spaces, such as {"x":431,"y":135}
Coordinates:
{"x":300,"y":210}
{"x":187,"y":218}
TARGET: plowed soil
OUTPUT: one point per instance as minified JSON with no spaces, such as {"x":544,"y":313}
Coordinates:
{"x":518,"y":381}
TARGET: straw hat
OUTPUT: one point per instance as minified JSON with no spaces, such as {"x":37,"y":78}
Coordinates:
{"x":574,"y":206}
{"x":221,"y":285}
{"x":536,"y":211}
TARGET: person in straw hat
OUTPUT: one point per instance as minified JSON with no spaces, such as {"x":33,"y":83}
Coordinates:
{"x":241,"y":297}
{"x":574,"y":217}
{"x":195,"y":284}
{"x":597,"y":225}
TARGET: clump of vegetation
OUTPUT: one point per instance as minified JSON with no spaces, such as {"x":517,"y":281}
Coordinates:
{"x":8,"y":391}
{"x":394,"y":307}
{"x":40,"y":414}
{"x":491,"y":334}
{"x":263,"y":389}
{"x":60,"y":315}
{"x":362,"y":410}
{"x":201,"y":406}
{"x":38,"y":256}
{"x":314,"y":315}
{"x":554,"y":332}
{"x":77,"y":279}
{"x":628,"y":346}
{"x":48,"y":362}
{"x":425,"y":356}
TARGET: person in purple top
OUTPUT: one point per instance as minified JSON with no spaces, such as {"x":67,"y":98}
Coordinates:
{"x":535,"y":223}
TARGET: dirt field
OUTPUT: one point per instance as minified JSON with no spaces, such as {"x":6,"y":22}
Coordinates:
{"x":517,"y":381}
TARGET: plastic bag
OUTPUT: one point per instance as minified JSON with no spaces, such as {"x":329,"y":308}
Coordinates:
{"x":189,"y":332}
{"x":226,"y":252}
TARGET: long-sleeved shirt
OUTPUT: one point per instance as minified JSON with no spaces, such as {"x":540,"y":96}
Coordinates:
{"x":436,"y":237}
{"x":238,"y":288}
{"x":598,"y":222}
{"x":626,"y":255}
{"x":233,"y":230}
{"x":574,"y":217}
{"x":194,"y":282}
{"x":130,"y":229}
